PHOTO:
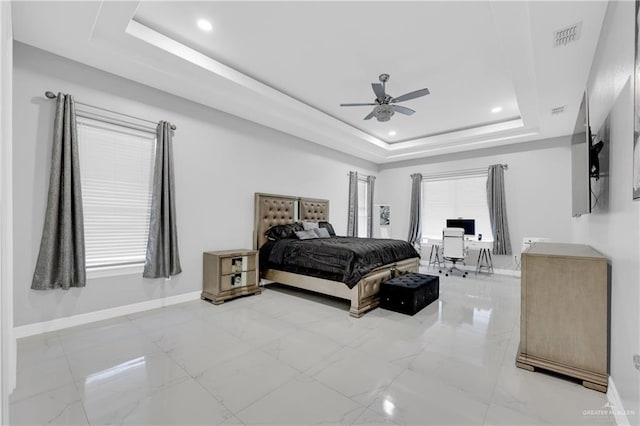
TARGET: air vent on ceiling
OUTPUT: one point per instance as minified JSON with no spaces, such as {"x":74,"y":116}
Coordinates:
{"x":567,"y":35}
{"x":558,"y":110}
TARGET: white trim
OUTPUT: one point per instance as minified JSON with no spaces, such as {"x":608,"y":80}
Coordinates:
{"x":459,"y":174}
{"x":114,"y":271}
{"x":456,"y":174}
{"x":8,"y":357}
{"x":616,"y":407}
{"x":89,"y":317}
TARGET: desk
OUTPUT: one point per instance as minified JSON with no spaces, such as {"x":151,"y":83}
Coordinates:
{"x":435,"y":253}
{"x":484,"y":252}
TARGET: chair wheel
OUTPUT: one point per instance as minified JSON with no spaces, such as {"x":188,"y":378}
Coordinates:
{"x":446,"y":275}
{"x":464,"y":276}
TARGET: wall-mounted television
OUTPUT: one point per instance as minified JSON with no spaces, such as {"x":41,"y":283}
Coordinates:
{"x":580,"y":162}
{"x":469,"y":225}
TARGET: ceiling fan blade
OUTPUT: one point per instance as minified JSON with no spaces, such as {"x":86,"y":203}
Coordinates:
{"x":370,"y":115}
{"x":403,"y":110}
{"x":355,"y":104}
{"x":378,"y":90}
{"x":411,"y":95}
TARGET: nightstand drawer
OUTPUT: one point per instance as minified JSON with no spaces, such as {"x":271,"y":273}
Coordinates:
{"x":232,"y":265}
{"x":238,"y":280}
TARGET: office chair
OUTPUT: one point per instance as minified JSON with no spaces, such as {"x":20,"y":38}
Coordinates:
{"x":453,"y":249}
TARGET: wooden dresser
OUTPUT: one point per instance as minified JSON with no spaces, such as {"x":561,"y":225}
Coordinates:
{"x":564,"y":312}
{"x":228,"y":274}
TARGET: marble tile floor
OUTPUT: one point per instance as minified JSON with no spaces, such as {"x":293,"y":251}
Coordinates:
{"x":287,"y":357}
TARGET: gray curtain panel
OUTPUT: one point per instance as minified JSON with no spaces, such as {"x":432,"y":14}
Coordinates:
{"x":352,"y":218}
{"x":498,"y":210}
{"x":415,"y":210}
{"x":61,"y":261}
{"x":162,"y":258}
{"x":371,"y":181}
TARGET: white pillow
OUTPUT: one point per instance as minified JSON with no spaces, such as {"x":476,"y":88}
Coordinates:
{"x":309,"y":225}
{"x":322,"y":233}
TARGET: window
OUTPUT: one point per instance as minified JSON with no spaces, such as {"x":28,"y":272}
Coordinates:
{"x":116,"y":166}
{"x":454,"y":197}
{"x":363,"y":206}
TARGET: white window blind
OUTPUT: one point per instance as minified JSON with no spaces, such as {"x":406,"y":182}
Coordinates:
{"x":363,"y":203}
{"x":455,"y":197}
{"x":116,"y":166}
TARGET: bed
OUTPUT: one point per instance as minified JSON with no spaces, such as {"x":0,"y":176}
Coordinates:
{"x":272,"y":210}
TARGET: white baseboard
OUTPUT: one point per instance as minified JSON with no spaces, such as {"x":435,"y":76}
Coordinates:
{"x":89,"y":317}
{"x":615,"y":405}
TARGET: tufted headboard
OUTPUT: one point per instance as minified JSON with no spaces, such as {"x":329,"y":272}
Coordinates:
{"x":271,"y":210}
{"x":314,"y":210}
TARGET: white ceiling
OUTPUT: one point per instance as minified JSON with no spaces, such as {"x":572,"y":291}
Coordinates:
{"x":288,"y":65}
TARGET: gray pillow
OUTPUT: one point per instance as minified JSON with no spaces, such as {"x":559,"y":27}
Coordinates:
{"x":306,"y":235}
{"x":322,"y":233}
{"x":328,"y":226}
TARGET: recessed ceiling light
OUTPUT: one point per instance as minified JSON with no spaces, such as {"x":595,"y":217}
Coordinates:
{"x":204,"y":25}
{"x":392,"y":133}
{"x":496,"y":109}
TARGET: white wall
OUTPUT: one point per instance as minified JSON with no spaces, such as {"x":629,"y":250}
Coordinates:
{"x":537,"y":189}
{"x":7,"y":341}
{"x":616,"y":232}
{"x":220,"y":161}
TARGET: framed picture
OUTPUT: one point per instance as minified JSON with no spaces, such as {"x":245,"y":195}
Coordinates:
{"x":636,"y":115}
{"x":381,"y":221}
{"x":385,"y":215}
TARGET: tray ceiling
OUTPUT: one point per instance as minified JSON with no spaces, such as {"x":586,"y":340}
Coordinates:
{"x":288,"y":65}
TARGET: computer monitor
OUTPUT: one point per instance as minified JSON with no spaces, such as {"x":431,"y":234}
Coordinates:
{"x":469,"y":225}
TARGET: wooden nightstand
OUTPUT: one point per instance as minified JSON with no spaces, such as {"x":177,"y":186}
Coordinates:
{"x":228,"y":274}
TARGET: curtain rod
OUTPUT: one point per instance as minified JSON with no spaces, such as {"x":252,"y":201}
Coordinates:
{"x":361,"y":176}
{"x":49,"y":94}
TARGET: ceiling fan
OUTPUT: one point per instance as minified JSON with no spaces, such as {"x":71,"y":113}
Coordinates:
{"x":384,"y":104}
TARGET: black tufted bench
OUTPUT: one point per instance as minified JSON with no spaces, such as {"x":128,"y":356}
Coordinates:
{"x":409,"y":293}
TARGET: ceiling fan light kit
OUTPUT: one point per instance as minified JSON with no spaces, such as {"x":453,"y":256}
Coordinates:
{"x":383,"y":112}
{"x":384,"y":104}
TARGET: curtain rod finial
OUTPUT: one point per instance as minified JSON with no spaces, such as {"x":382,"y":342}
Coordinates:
{"x":49,"y":94}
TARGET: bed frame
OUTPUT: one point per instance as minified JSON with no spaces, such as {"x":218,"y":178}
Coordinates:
{"x":272,"y":210}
